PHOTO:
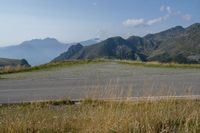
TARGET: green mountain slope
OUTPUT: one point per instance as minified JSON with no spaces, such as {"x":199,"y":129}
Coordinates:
{"x":112,"y":48}
{"x":177,"y":44}
{"x":183,"y":47}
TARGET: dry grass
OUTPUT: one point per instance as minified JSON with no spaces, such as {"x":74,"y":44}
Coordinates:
{"x":165,"y":116}
{"x":11,"y":69}
{"x":48,"y":66}
{"x":159,"y":64}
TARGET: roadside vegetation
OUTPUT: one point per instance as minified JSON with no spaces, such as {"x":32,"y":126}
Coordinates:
{"x":159,"y":64}
{"x":8,"y":69}
{"x":157,"y":116}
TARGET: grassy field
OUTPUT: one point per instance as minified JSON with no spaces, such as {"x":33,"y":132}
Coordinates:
{"x":163,"y":116}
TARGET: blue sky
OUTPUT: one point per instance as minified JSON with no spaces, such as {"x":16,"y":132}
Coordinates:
{"x":77,"y":20}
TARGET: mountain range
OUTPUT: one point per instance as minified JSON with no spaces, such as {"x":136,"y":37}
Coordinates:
{"x":13,"y":62}
{"x":177,"y":44}
{"x":39,"y":51}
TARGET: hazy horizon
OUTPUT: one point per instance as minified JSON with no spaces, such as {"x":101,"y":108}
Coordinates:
{"x":77,"y":20}
{"x":78,"y":41}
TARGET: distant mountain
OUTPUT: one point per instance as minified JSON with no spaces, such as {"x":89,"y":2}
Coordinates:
{"x":178,"y":44}
{"x":13,"y":62}
{"x":39,"y":51}
{"x":90,"y":42}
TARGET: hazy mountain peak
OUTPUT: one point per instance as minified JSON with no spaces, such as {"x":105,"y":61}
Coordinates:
{"x":40,"y":51}
{"x":35,"y":51}
{"x":90,"y":41}
{"x":50,"y":40}
{"x":40,"y":41}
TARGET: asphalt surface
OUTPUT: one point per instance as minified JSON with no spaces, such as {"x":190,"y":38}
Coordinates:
{"x":98,"y":80}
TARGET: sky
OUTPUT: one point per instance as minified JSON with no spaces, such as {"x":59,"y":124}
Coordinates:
{"x":79,"y":20}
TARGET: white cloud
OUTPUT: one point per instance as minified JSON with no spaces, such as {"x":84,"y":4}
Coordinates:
{"x":187,"y":17}
{"x":142,"y":22}
{"x":169,"y":13}
{"x":166,"y":9}
{"x":154,"y":21}
{"x":134,"y":22}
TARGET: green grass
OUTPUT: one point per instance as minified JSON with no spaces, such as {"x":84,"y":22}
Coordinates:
{"x":95,"y":116}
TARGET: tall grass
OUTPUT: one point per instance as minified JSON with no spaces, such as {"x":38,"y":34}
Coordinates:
{"x":10,"y":69}
{"x":95,"y":115}
{"x":105,"y":117}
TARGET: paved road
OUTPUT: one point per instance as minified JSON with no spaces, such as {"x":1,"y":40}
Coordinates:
{"x":98,"y":80}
